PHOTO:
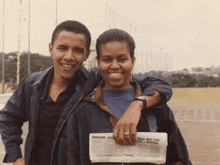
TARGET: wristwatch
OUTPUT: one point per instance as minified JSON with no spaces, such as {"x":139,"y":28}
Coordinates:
{"x":143,"y":99}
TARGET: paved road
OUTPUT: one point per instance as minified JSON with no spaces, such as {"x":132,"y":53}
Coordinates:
{"x":200,"y":126}
{"x":3,"y":99}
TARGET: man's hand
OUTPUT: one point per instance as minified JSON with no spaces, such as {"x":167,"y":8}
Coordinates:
{"x":19,"y":161}
{"x":125,"y":129}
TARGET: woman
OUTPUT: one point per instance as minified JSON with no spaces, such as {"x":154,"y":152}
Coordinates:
{"x":101,"y":109}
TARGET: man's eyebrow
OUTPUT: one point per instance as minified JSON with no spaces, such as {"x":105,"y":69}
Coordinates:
{"x":61,"y":45}
{"x":122,"y":55}
{"x":78,"y":47}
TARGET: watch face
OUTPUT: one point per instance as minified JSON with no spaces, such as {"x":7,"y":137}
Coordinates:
{"x":141,"y":98}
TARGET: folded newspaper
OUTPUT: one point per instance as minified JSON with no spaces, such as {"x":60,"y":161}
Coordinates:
{"x":151,"y":148}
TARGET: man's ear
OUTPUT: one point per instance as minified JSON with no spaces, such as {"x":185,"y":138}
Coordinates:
{"x":50,"y":48}
{"x":87,"y":54}
{"x":97,"y":60}
{"x":133,"y":60}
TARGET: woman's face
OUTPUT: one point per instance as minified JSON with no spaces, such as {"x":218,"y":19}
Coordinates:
{"x":116,"y":65}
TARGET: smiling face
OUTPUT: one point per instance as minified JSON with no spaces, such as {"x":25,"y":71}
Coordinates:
{"x":116,"y":65}
{"x":68,"y":53}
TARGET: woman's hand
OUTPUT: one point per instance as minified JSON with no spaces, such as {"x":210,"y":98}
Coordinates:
{"x":125,"y":130}
{"x":19,"y":161}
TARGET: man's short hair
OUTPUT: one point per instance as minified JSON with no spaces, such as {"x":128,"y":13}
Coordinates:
{"x":115,"y":35}
{"x":72,"y":26}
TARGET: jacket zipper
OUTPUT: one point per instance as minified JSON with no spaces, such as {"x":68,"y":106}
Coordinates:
{"x":62,"y":127}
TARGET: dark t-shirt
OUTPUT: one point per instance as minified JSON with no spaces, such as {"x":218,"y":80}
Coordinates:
{"x":49,"y":114}
{"x":118,"y":100}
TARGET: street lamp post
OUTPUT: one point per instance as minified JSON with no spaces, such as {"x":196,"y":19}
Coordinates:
{"x":29,"y":22}
{"x":19,"y":40}
{"x":56,"y":14}
{"x":3,"y":51}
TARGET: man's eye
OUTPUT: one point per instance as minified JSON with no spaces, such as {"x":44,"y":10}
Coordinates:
{"x":62,"y":48}
{"x":79,"y":50}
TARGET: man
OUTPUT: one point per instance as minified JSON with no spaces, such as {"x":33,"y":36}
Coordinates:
{"x":46,"y":99}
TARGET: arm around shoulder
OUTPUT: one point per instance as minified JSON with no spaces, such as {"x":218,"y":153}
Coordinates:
{"x":150,"y":85}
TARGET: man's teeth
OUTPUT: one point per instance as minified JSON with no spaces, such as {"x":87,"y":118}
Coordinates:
{"x":115,"y":74}
{"x":67,"y":66}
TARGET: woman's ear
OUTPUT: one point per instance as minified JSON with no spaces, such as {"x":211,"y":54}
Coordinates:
{"x":98,"y":60}
{"x":87,"y":54}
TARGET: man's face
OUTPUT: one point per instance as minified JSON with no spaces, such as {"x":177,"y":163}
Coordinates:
{"x":68,"y":53}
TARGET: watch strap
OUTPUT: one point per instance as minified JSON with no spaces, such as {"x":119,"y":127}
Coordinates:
{"x":143,"y":99}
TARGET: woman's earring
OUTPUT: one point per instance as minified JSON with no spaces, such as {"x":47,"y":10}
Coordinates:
{"x":131,"y":78}
{"x":98,"y":75}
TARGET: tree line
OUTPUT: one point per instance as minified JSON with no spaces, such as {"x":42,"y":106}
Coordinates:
{"x":184,"y":80}
{"x":40,"y":62}
{"x":37,"y":63}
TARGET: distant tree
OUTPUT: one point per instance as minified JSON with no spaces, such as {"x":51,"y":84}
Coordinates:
{"x":209,"y":81}
{"x":182,"y":80}
{"x":10,"y":67}
{"x":157,"y":74}
{"x":37,"y":63}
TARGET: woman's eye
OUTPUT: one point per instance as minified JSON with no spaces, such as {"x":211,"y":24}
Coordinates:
{"x":107,"y":60}
{"x":122,"y":60}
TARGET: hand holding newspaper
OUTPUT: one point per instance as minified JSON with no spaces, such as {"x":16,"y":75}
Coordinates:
{"x":151,"y":148}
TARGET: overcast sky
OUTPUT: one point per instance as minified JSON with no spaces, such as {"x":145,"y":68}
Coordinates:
{"x":189,"y":31}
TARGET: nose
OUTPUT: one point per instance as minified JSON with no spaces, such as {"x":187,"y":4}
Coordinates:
{"x":115,"y":64}
{"x":69,"y":55}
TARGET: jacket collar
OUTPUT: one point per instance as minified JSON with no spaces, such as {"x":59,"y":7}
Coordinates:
{"x":96,"y":94}
{"x":97,"y":97}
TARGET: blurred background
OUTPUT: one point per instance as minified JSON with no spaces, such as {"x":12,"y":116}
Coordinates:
{"x":178,"y":41}
{"x":175,"y":39}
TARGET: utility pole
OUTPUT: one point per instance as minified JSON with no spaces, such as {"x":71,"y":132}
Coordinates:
{"x":29,"y":42}
{"x":106,"y":15}
{"x":19,"y":40}
{"x":3,"y":51}
{"x":56,"y":14}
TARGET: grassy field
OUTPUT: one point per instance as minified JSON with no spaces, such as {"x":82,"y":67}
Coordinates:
{"x":195,"y":96}
{"x":184,"y":96}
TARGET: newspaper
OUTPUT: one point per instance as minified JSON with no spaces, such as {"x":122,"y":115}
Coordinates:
{"x":151,"y":148}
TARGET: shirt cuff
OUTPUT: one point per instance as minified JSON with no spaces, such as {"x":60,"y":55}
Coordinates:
{"x":12,"y":154}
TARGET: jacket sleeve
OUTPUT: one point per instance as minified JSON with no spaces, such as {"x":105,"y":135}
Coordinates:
{"x":151,"y":84}
{"x":12,"y":117}
{"x":177,"y":151}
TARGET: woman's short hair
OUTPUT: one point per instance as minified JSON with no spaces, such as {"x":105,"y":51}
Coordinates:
{"x":115,"y":35}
